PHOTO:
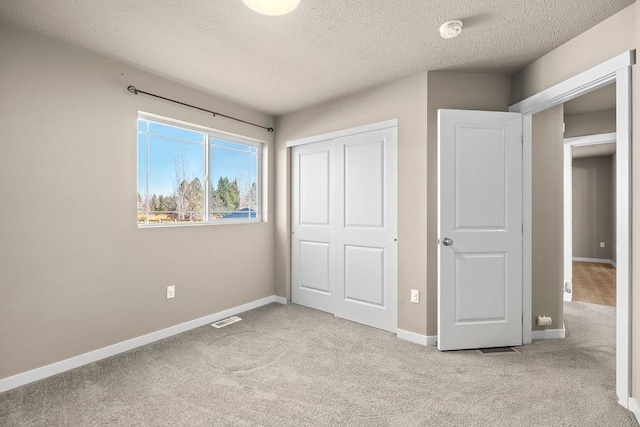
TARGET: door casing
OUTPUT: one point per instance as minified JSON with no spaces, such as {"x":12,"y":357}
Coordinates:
{"x":616,"y":70}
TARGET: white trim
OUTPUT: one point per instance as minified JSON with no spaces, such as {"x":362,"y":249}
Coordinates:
{"x":430,"y":340}
{"x":597,"y":260}
{"x":527,"y":218}
{"x":567,"y":184}
{"x":549,"y":334}
{"x":198,"y":128}
{"x":102,"y":353}
{"x":616,"y":70}
{"x":344,"y":132}
{"x":623,"y":236}
{"x":634,"y":406}
{"x":280,"y":300}
{"x":601,"y":138}
{"x":590,"y":80}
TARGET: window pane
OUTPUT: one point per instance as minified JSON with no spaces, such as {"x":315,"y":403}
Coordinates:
{"x":234,"y":186}
{"x":142,"y":125}
{"x":172,"y":166}
{"x":142,"y":178}
{"x":231,"y":145}
{"x":176,"y":174}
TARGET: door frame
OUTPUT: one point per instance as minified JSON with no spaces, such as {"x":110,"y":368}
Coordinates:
{"x":616,"y":70}
{"x":578,"y":141}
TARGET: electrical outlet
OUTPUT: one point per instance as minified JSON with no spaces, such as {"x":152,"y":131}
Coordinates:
{"x":602,"y":244}
{"x":171,"y":291}
{"x":543,"y":321}
{"x":415,"y":296}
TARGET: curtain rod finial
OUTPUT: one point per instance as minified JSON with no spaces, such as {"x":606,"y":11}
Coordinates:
{"x":132,"y":89}
{"x":270,"y":130}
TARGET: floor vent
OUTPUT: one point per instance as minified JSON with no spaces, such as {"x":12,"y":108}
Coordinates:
{"x":493,"y":350}
{"x":224,"y":322}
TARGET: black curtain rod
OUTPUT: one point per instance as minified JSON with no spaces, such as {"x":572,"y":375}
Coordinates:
{"x":135,"y":91}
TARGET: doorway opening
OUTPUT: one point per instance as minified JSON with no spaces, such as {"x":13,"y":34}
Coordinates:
{"x":617,"y":70}
{"x":590,"y":198}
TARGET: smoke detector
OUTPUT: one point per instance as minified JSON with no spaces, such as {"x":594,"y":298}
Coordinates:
{"x":450,"y":29}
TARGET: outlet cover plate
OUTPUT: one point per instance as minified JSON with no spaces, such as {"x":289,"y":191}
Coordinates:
{"x":415,"y":296}
{"x":171,"y":291}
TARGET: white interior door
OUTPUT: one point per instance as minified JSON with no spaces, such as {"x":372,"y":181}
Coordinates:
{"x":479,"y":229}
{"x":344,"y":258}
{"x":312,"y":226}
{"x":366,"y":276}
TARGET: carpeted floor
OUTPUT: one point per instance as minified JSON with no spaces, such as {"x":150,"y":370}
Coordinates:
{"x":293,"y":366}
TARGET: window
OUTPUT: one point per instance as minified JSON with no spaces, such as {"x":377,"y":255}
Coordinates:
{"x":190,"y":175}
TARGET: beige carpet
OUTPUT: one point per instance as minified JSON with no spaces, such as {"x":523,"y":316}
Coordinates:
{"x":293,"y":366}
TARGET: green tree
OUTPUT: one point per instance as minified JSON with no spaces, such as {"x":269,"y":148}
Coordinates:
{"x":161,"y":206}
{"x":226,"y":196}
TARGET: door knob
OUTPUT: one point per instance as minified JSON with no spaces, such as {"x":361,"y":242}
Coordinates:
{"x":447,"y":241}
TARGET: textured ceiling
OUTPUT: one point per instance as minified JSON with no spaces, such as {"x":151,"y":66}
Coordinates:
{"x":598,"y":100}
{"x":323,"y":50}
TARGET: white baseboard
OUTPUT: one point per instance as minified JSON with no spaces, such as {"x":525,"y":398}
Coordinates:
{"x":598,"y":260}
{"x":634,"y":406}
{"x":280,"y":300}
{"x":417,"y":338}
{"x":102,"y":353}
{"x":549,"y":334}
{"x":432,"y":340}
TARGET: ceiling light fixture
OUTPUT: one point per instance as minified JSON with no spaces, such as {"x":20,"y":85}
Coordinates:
{"x":450,"y":29}
{"x":272,"y":7}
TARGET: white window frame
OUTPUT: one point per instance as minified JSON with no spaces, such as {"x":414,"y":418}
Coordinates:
{"x":209,"y":134}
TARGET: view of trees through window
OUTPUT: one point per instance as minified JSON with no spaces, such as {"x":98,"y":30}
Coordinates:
{"x":173,"y":167}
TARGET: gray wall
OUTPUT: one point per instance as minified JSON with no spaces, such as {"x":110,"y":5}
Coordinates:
{"x":76,"y":274}
{"x":590,"y":123}
{"x":611,"y":37}
{"x":405,"y":100}
{"x":600,"y":43}
{"x":547,"y":217}
{"x":592,"y":208}
{"x":463,"y":91}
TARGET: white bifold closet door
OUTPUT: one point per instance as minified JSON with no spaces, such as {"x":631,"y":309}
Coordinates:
{"x":344,"y":257}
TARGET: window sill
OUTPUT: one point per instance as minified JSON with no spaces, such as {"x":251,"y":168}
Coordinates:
{"x":200,"y":224}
